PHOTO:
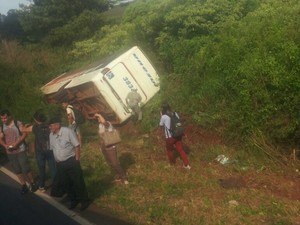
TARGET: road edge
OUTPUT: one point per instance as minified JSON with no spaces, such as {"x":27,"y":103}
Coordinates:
{"x":51,"y":201}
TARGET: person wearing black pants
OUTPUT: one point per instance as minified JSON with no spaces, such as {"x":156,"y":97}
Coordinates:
{"x":66,"y":149}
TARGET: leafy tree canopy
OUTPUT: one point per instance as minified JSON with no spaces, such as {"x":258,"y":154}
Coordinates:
{"x":43,"y":16}
{"x":10,"y":27}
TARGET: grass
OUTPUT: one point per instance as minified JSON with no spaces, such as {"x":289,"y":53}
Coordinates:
{"x":159,"y":194}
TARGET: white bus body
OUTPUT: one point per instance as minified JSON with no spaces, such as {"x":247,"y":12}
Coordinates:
{"x":104,"y":87}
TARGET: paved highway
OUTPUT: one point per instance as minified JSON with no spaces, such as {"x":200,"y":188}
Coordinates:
{"x":28,"y":209}
{"x":41,"y":209}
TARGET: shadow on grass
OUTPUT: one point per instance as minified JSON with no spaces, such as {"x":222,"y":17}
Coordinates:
{"x":100,"y":180}
{"x":126,"y":160}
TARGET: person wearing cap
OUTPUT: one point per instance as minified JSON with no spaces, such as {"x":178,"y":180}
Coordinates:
{"x":43,"y":153}
{"x":66,"y":149}
{"x":12,"y":139}
{"x":134,"y":101}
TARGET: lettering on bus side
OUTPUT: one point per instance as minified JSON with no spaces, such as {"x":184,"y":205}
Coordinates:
{"x":110,"y":75}
{"x":128,"y":82}
{"x":145,"y":69}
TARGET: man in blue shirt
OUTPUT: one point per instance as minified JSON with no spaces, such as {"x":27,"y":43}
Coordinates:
{"x":66,"y":150}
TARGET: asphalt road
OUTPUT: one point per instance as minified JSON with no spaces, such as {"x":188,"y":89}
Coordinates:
{"x":28,"y":209}
{"x":41,"y":209}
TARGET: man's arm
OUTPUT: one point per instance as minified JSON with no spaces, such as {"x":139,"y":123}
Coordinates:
{"x":26,"y":128}
{"x":161,"y":122}
{"x":77,"y":152}
{"x":23,"y":136}
{"x":100,"y":118}
{"x":2,"y":142}
{"x":75,"y":142}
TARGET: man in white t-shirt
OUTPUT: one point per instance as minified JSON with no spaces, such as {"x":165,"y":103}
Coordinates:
{"x":171,"y":142}
{"x":71,"y":119}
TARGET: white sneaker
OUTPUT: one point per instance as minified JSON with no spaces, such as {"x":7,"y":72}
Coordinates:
{"x":42,"y":189}
{"x":117,"y":180}
{"x":188,"y":167}
{"x":126,"y":182}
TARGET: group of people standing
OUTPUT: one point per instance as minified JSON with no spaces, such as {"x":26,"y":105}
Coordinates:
{"x":59,"y":147}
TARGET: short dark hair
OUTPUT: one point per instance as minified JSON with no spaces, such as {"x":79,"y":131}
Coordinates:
{"x":5,"y":112}
{"x":165,"y":108}
{"x":54,"y":119}
{"x":40,"y":117}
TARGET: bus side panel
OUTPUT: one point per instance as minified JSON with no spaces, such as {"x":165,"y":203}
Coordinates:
{"x":112,"y":100}
{"x":143,"y":73}
{"x":133,"y":71}
{"x":121,"y":81}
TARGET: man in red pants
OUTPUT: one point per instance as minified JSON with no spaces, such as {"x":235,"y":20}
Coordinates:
{"x":165,"y":121}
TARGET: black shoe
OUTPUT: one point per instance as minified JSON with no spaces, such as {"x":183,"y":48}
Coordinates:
{"x":73,"y":204}
{"x":85,"y":205}
{"x":24,"y":189}
{"x":33,"y":187}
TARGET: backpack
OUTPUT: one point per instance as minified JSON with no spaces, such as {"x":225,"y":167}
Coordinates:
{"x":176,"y":128}
{"x":79,"y":117}
{"x":41,"y":132}
{"x":20,"y":133}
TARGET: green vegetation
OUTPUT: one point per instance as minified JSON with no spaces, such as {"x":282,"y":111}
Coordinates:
{"x":231,"y":67}
{"x":238,"y":60}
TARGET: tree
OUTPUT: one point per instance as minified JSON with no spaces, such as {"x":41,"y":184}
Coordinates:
{"x":10,"y":26}
{"x":80,"y":28}
{"x":43,"y":16}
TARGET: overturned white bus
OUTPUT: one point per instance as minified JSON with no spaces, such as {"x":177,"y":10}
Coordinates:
{"x":103,"y":87}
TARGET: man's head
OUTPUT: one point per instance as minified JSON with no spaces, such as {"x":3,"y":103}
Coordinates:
{"x":6,"y":117}
{"x":39,"y":117}
{"x":65,"y":104}
{"x":54,"y":124}
{"x":165,"y":108}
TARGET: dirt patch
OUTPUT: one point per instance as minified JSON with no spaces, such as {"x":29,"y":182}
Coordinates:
{"x":233,"y":182}
{"x":279,"y":185}
{"x":198,"y":135}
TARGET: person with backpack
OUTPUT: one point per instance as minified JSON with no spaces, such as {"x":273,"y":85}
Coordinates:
{"x":173,"y":138}
{"x":43,"y":153}
{"x":75,"y":118}
{"x":13,"y":140}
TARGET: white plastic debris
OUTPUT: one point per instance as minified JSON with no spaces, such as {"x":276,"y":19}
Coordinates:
{"x":233,"y":203}
{"x":223,"y":159}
